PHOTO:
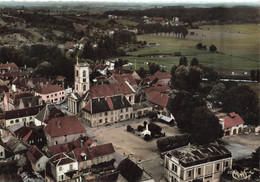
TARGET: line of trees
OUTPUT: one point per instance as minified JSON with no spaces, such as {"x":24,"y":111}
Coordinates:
{"x":178,"y":31}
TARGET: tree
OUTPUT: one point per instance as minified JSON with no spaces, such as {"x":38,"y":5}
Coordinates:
{"x":129,"y":128}
{"x":142,"y":72}
{"x":256,"y":158}
{"x":242,"y":100}
{"x":253,"y":75}
{"x":213,"y":48}
{"x":153,"y":68}
{"x":183,"y":61}
{"x":194,"y":78}
{"x":194,"y":62}
{"x":147,"y":137}
{"x":152,"y":114}
{"x":217,"y":92}
{"x":140,"y":128}
{"x":210,"y":74}
{"x":154,"y":128}
{"x":205,"y":126}
{"x":145,"y":123}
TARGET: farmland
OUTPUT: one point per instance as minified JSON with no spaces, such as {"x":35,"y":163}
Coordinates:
{"x":238,"y":47}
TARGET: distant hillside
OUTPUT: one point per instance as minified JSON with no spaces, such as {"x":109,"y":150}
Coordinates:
{"x":237,"y":14}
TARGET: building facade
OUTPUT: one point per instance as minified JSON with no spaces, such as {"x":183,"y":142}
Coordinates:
{"x":51,"y":94}
{"x":204,"y":163}
{"x":81,"y":80}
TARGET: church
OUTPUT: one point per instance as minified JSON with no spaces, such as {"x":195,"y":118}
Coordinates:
{"x":98,"y":105}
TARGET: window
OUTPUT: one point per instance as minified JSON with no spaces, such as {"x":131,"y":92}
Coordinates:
{"x":17,"y":120}
{"x":60,"y":168}
{"x":30,"y":118}
{"x":84,"y":88}
{"x":121,"y":111}
{"x":11,"y":122}
{"x":130,"y":98}
{"x":121,"y":117}
{"x":84,"y":80}
{"x":39,"y":165}
{"x":51,"y":95}
{"x":174,"y":168}
{"x":71,"y":167}
{"x":1,"y":154}
{"x":105,"y":113}
{"x":84,"y":73}
{"x":55,"y":94}
{"x":217,"y":167}
{"x":189,"y":174}
{"x":56,"y":142}
{"x":126,"y":116}
{"x":226,"y":164}
{"x":77,"y":73}
{"x":126,"y":109}
{"x":105,"y":120}
{"x":47,"y":96}
{"x":112,"y":112}
{"x":199,"y":171}
{"x":100,"y":121}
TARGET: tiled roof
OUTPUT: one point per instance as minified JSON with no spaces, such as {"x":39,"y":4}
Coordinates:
{"x":27,"y":133}
{"x":34,"y":154}
{"x":64,"y":126}
{"x":101,"y":67}
{"x":16,"y":96}
{"x":61,"y":159}
{"x":9,"y":66}
{"x":122,"y":71}
{"x":110,"y":90}
{"x":126,"y":77}
{"x":49,"y":112}
{"x":93,"y":152}
{"x":158,"y":98}
{"x":11,"y":177}
{"x":50,"y":89}
{"x":104,"y":104}
{"x":32,"y":100}
{"x":55,"y":149}
{"x":160,"y":75}
{"x":29,"y":111}
{"x":232,"y":119}
{"x":160,"y":89}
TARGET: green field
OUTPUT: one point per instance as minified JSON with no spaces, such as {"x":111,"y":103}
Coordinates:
{"x":238,"y":47}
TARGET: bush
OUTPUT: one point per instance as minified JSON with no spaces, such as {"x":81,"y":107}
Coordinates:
{"x":140,"y":128}
{"x":152,"y":114}
{"x":177,"y":53}
{"x":172,"y":142}
{"x":213,"y":48}
{"x":129,"y":128}
{"x":154,"y":128}
{"x":147,"y":137}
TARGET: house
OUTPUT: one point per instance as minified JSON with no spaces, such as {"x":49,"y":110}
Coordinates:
{"x":157,"y":20}
{"x":46,"y":114}
{"x":117,"y":78}
{"x":8,"y":67}
{"x":30,"y":101}
{"x":232,"y":124}
{"x":30,"y":136}
{"x":51,"y":93}
{"x":130,"y":171}
{"x":160,"y":78}
{"x":160,"y":101}
{"x":62,"y":167}
{"x":37,"y":158}
{"x":68,"y":147}
{"x":88,"y":157}
{"x":141,"y":109}
{"x":108,"y":109}
{"x":190,"y":162}
{"x":11,"y":100}
{"x":63,"y":130}
{"x":123,"y":71}
{"x":6,"y":154}
{"x":16,"y":146}
{"x":25,"y":115}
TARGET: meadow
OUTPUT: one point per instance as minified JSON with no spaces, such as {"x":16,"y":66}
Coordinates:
{"x":238,"y":47}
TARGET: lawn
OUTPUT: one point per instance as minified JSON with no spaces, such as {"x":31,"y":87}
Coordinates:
{"x":238,"y":47}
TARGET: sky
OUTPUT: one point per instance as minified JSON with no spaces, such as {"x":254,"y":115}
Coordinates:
{"x":146,"y":1}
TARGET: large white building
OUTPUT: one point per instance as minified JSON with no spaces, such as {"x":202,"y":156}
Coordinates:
{"x":204,"y":163}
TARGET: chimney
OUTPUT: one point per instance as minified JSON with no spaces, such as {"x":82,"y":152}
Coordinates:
{"x":58,"y":124}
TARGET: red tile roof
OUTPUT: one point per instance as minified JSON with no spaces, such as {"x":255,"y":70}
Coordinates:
{"x":50,"y":89}
{"x":94,"y":152}
{"x":160,"y":75}
{"x":157,"y":18}
{"x":160,"y":89}
{"x":15,"y":97}
{"x":26,"y":132}
{"x":110,"y":90}
{"x":123,"y":78}
{"x":11,"y":177}
{"x":61,"y":159}
{"x":34,"y":154}
{"x":9,"y":66}
{"x":65,"y":148}
{"x":232,"y":119}
{"x":158,"y":98}
{"x":64,"y":126}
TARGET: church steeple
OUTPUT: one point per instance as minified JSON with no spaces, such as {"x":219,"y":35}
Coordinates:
{"x":81,"y":82}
